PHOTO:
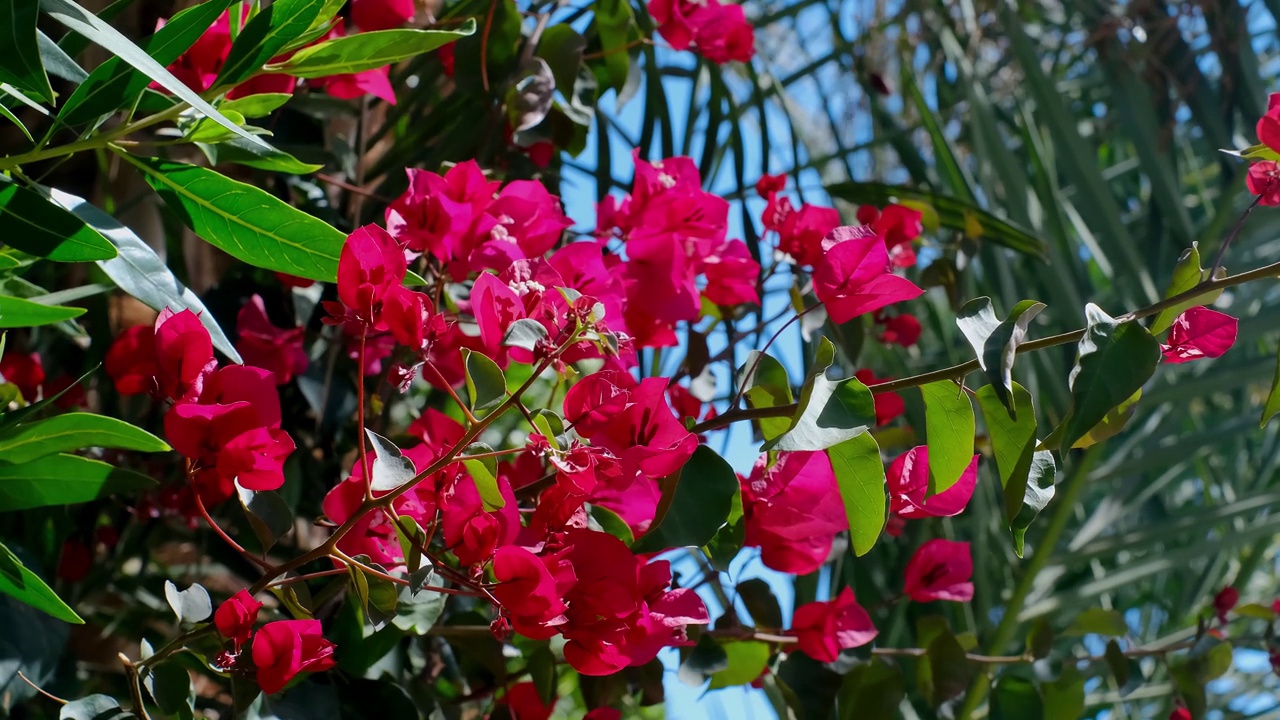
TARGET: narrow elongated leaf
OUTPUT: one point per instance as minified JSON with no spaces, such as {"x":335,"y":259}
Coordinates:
{"x":953,"y":214}
{"x":1013,"y":442}
{"x":20,"y":62}
{"x":949,"y":428}
{"x":115,"y":83}
{"x":247,"y":223}
{"x":274,"y":27}
{"x":89,"y":25}
{"x":16,"y":312}
{"x":829,"y":411}
{"x":765,"y":385}
{"x":1112,"y":363}
{"x":57,"y":62}
{"x":139,"y":271}
{"x":74,"y":431}
{"x":63,"y":480}
{"x":19,"y":582}
{"x":1273,"y":398}
{"x":390,"y":467}
{"x":36,"y":226}
{"x":695,"y":504}
{"x":235,"y":151}
{"x":861,"y":480}
{"x":367,"y":51}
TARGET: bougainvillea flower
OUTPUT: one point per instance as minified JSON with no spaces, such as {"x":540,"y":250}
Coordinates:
{"x":241,"y":383}
{"x":470,"y":531}
{"x":770,"y":184}
{"x":660,"y":260}
{"x":350,"y":86}
{"x":1199,"y":333}
{"x":901,"y":329}
{"x":732,"y":275}
{"x":412,"y":318}
{"x":284,"y":648}
{"x":528,"y":591}
{"x":255,"y":458}
{"x":371,"y":264}
{"x":495,"y":307}
{"x":646,"y":436}
{"x":1224,"y":601}
{"x":793,"y":511}
{"x":1264,"y":181}
{"x":889,"y":405}
{"x":603,"y":713}
{"x":438,"y":213}
{"x":235,"y":617}
{"x":898,"y":225}
{"x":381,"y":14}
{"x":853,"y":276}
{"x":596,"y":400}
{"x":184,"y":354}
{"x":131,"y":361}
{"x":1268,"y":126}
{"x":524,"y":702}
{"x":908,"y":478}
{"x":529,"y":216}
{"x":199,"y":66}
{"x":800,"y":232}
{"x":723,"y":33}
{"x":940,"y":570}
{"x":25,"y":371}
{"x":264,"y":345}
{"x":825,"y":628}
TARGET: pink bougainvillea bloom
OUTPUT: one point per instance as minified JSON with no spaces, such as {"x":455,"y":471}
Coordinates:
{"x":1180,"y":713}
{"x":646,"y":436}
{"x":371,"y":264}
{"x":800,"y":233}
{"x":908,"y":479}
{"x":672,"y":17}
{"x":439,"y":214}
{"x":525,"y":703}
{"x":184,"y":354}
{"x":529,"y":216}
{"x":1264,"y":181}
{"x":603,"y":713}
{"x":284,"y":648}
{"x":825,"y":628}
{"x":25,"y":371}
{"x":793,"y":511}
{"x":199,"y":66}
{"x":853,"y":276}
{"x":1199,"y":333}
{"x":898,"y":225}
{"x":264,"y":345}
{"x":381,"y":14}
{"x":732,"y":275}
{"x":723,"y":33}
{"x":596,"y":400}
{"x":901,"y":329}
{"x":235,"y":617}
{"x":1268,"y":126}
{"x":1224,"y":601}
{"x":940,"y":570}
{"x":889,"y":405}
{"x":411,"y":317}
{"x":770,"y":184}
{"x":131,"y":361}
{"x":528,"y":591}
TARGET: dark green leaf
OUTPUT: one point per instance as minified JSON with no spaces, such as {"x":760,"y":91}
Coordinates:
{"x":561,"y":46}
{"x":949,"y":428}
{"x":1098,"y":621}
{"x":1039,"y":491}
{"x":93,"y":707}
{"x":1015,"y":698}
{"x":170,"y":685}
{"x":237,"y":152}
{"x":18,"y":581}
{"x":417,"y":612}
{"x":829,"y":411}
{"x":810,"y":686}
{"x":1112,"y":363}
{"x":707,"y":658}
{"x":486,"y":385}
{"x":139,"y":271}
{"x":746,"y":661}
{"x":1013,"y":442}
{"x":996,"y":343}
{"x":613,"y":20}
{"x":391,"y":468}
{"x":861,"y":480}
{"x":948,"y":667}
{"x":246,"y":222}
{"x":758,"y":597}
{"x":74,"y":431}
{"x":871,"y":691}
{"x":264,"y":36}
{"x":524,"y":333}
{"x":611,"y":523}
{"x":727,"y":542}
{"x":269,"y":514}
{"x":1127,"y":673}
{"x":765,"y":385}
{"x":367,"y":51}
{"x":115,"y":84}
{"x":542,"y":670}
{"x":1273,"y":398}
{"x":192,"y":605}
{"x":57,"y":62}
{"x":1064,"y":697}
{"x":20,"y":62}
{"x":62,"y":480}
{"x":695,"y":504}
{"x":89,"y":25}
{"x":34,"y":225}
{"x":1040,"y":638}
{"x":953,"y":214}
{"x":411,"y":537}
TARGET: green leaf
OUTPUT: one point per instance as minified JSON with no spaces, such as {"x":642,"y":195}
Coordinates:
{"x":996,"y":343}
{"x":747,"y":659}
{"x":63,"y":480}
{"x":1273,"y":398}
{"x":237,"y":152}
{"x":264,"y":36}
{"x":707,"y":658}
{"x":542,"y":670}
{"x":20,"y":62}
{"x":871,"y":691}
{"x":1108,"y":427}
{"x":7,"y":113}
{"x":269,"y":515}
{"x":74,"y":431}
{"x":1015,"y":698}
{"x":486,"y":480}
{"x":34,"y":225}
{"x":57,"y":62}
{"x":139,"y":271}
{"x":765,"y":385}
{"x":19,"y":582}
{"x":170,"y":685}
{"x":829,"y":411}
{"x":192,"y":605}
{"x":1127,"y":672}
{"x":1112,"y":363}
{"x":93,"y":707}
{"x":761,"y":603}
{"x":1040,"y":638}
{"x":949,"y":669}
{"x":89,"y":25}
{"x":1040,"y":490}
{"x":390,"y":467}
{"x":1187,"y":274}
{"x":953,"y":214}
{"x":417,"y":612}
{"x":1064,"y":697}
{"x":562,"y":46}
{"x":486,"y":385}
{"x":115,"y":84}
{"x":367,"y":51}
{"x":256,"y":106}
{"x":16,"y":313}
{"x":695,"y":503}
{"x":861,"y":480}
{"x":611,"y":523}
{"x":246,"y":222}
{"x":949,"y":429}
{"x":524,"y":333}
{"x":727,"y":542}
{"x":613,"y":21}
{"x":1013,"y":442}
{"x":1098,"y":621}
{"x":1255,"y":610}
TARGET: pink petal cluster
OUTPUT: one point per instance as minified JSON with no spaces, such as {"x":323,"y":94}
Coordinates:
{"x":280,"y":650}
{"x":262,"y":344}
{"x":1199,"y":333}
{"x":793,"y":511}
{"x":823,"y":629}
{"x":853,"y":276}
{"x":1264,"y":176}
{"x":908,"y":479}
{"x":940,"y":570}
{"x":720,"y":32}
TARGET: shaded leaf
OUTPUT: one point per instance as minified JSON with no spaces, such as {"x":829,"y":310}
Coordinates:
{"x":170,"y":685}
{"x":1016,"y":698}
{"x":389,"y":466}
{"x":20,"y":62}
{"x":1013,"y":442}
{"x":93,"y":707}
{"x":486,"y":385}
{"x":63,"y":480}
{"x":747,"y":659}
{"x":695,"y":503}
{"x":264,"y":36}
{"x":38,"y":227}
{"x":524,"y":333}
{"x":707,"y":658}
{"x":762,"y":605}
{"x":1098,"y":621}
{"x":829,"y":411}
{"x":996,"y":343}
{"x":871,"y":691}
{"x":192,"y":605}
{"x":765,"y":384}
{"x":542,"y":669}
{"x":1187,"y":274}
{"x":269,"y":514}
{"x":17,"y":581}
{"x":73,"y":431}
{"x":1064,"y":697}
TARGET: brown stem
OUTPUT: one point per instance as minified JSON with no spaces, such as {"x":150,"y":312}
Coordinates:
{"x":41,"y":690}
{"x":204,"y":513}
